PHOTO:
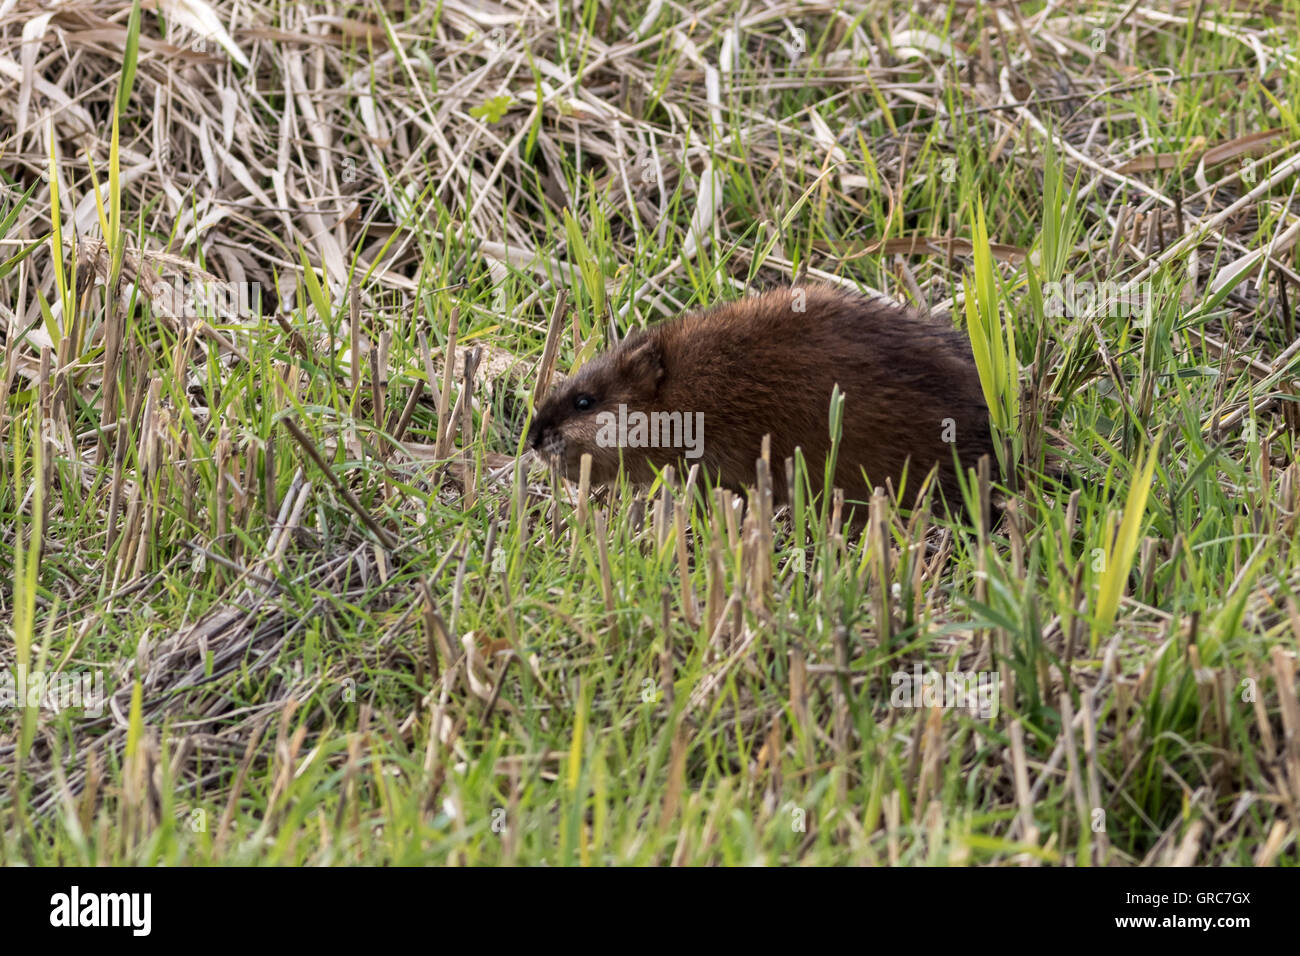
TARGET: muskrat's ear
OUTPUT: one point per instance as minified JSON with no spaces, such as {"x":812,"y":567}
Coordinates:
{"x":643,"y":364}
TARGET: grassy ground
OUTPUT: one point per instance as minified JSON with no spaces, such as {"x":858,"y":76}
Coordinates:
{"x":336,"y":620}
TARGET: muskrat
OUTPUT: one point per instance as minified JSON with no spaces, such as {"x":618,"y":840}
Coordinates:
{"x":710,"y":384}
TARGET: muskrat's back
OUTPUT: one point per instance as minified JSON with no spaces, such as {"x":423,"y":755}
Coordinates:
{"x":767,"y":365}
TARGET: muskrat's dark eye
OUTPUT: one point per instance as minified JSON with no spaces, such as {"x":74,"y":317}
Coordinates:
{"x":583,"y":402}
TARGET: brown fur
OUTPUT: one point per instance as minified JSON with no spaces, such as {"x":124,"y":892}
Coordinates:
{"x":758,"y":367}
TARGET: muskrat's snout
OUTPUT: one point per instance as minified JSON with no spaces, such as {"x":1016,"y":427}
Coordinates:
{"x":549,"y":443}
{"x":542,"y":427}
{"x":546,"y":440}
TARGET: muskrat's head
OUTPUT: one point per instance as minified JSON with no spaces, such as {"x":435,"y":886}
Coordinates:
{"x":581,"y":415}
